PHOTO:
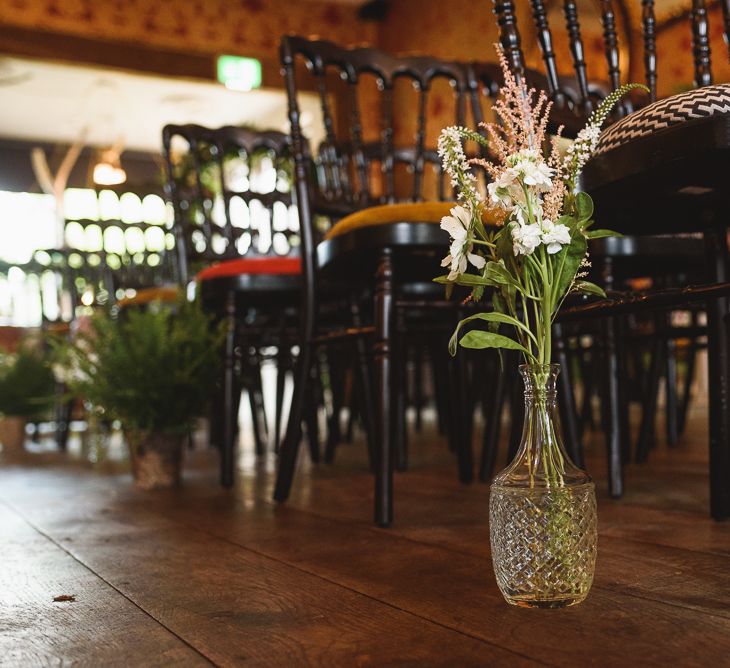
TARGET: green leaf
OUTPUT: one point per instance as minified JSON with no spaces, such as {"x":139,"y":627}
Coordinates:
{"x":493,"y":317}
{"x":567,"y":263}
{"x":498,"y":273}
{"x":477,"y":340}
{"x":600,"y":234}
{"x":583,"y":206}
{"x":588,"y":288}
{"x":465,"y":279}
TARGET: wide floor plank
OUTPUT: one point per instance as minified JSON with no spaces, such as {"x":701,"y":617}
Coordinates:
{"x":99,"y":628}
{"x":236,"y":605}
{"x":243,"y":580}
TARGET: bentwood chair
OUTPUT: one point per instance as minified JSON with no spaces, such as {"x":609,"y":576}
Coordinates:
{"x":370,"y":201}
{"x":237,"y":239}
{"x":660,"y":170}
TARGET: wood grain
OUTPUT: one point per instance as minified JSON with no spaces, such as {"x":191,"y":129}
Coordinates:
{"x":99,"y":628}
{"x":236,"y":605}
{"x":243,"y":580}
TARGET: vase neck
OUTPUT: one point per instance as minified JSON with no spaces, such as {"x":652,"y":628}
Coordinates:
{"x":541,"y":460}
{"x":540,"y":381}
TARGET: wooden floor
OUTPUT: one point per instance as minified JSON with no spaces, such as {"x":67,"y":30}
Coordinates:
{"x":201,"y":576}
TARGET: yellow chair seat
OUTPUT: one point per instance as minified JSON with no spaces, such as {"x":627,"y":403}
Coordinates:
{"x":166,"y":294}
{"x":417,"y":212}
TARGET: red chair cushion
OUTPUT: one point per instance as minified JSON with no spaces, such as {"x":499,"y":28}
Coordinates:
{"x":260,"y":265}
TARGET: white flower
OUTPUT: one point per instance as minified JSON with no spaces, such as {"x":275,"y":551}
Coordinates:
{"x":554,"y":236}
{"x":457,"y":225}
{"x":525,"y":238}
{"x":531,"y":169}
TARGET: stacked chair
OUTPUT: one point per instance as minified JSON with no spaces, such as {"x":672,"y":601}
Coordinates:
{"x":370,"y":197}
{"x":237,"y":243}
{"x":659,"y":171}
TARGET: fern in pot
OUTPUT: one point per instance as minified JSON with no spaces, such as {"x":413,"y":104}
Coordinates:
{"x":27,"y":390}
{"x":154,"y":371}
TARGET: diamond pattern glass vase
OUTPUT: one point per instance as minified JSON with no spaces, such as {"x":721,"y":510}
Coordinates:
{"x":542,"y":509}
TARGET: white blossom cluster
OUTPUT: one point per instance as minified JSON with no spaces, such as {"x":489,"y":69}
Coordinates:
{"x":580,"y":151}
{"x":518,"y":190}
{"x":456,"y":164}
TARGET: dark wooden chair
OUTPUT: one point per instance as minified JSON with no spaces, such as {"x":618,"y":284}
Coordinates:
{"x":377,"y":179}
{"x":238,"y":241}
{"x":658,"y":171}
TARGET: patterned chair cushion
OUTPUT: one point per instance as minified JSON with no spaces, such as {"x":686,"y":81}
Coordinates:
{"x":699,"y":103}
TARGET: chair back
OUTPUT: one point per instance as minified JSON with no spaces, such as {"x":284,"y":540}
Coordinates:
{"x":510,"y":39}
{"x":379,"y":118}
{"x":136,"y":254}
{"x":231,"y":194}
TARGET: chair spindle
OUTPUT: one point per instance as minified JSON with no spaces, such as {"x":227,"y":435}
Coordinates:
{"x":648,"y":22}
{"x":545,"y":39}
{"x":701,"y":43}
{"x":509,"y":36}
{"x":610,"y":41}
{"x":577,"y":50}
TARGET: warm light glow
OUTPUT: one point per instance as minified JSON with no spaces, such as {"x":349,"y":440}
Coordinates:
{"x":108,"y":171}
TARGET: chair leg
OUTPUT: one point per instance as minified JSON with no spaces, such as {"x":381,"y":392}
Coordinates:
{"x":436,"y":349}
{"x":364,"y":393}
{"x":672,"y":403}
{"x":400,"y":433}
{"x":588,"y":370}
{"x":282,"y":366}
{"x":311,"y":416}
{"x":259,"y":397}
{"x":688,"y":380}
{"x":623,"y":394}
{"x":718,"y":328}
{"x":566,"y":402}
{"x":459,"y":435}
{"x":418,"y":386}
{"x":517,"y":410}
{"x":383,"y":373}
{"x":255,"y":401}
{"x":613,"y":399}
{"x":646,"y":437}
{"x":492,"y":428}
{"x":335,"y":366}
{"x":229,"y":413}
{"x":293,"y":436}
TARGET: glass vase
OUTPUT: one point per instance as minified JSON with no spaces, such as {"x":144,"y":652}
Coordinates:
{"x":542,"y":509}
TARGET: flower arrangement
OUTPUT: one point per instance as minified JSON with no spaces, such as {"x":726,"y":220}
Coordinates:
{"x":542,"y":506}
{"x":536,"y":254}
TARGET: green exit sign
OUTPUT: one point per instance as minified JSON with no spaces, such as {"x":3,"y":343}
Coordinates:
{"x":239,"y":73}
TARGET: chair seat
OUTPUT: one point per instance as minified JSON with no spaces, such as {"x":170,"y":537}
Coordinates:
{"x":658,"y":169}
{"x":386,"y":214}
{"x":667,"y":115}
{"x":273,"y":266}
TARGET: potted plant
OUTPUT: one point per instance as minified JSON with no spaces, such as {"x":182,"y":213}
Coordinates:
{"x":153,"y":370}
{"x":27,"y":391}
{"x":542,"y":506}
